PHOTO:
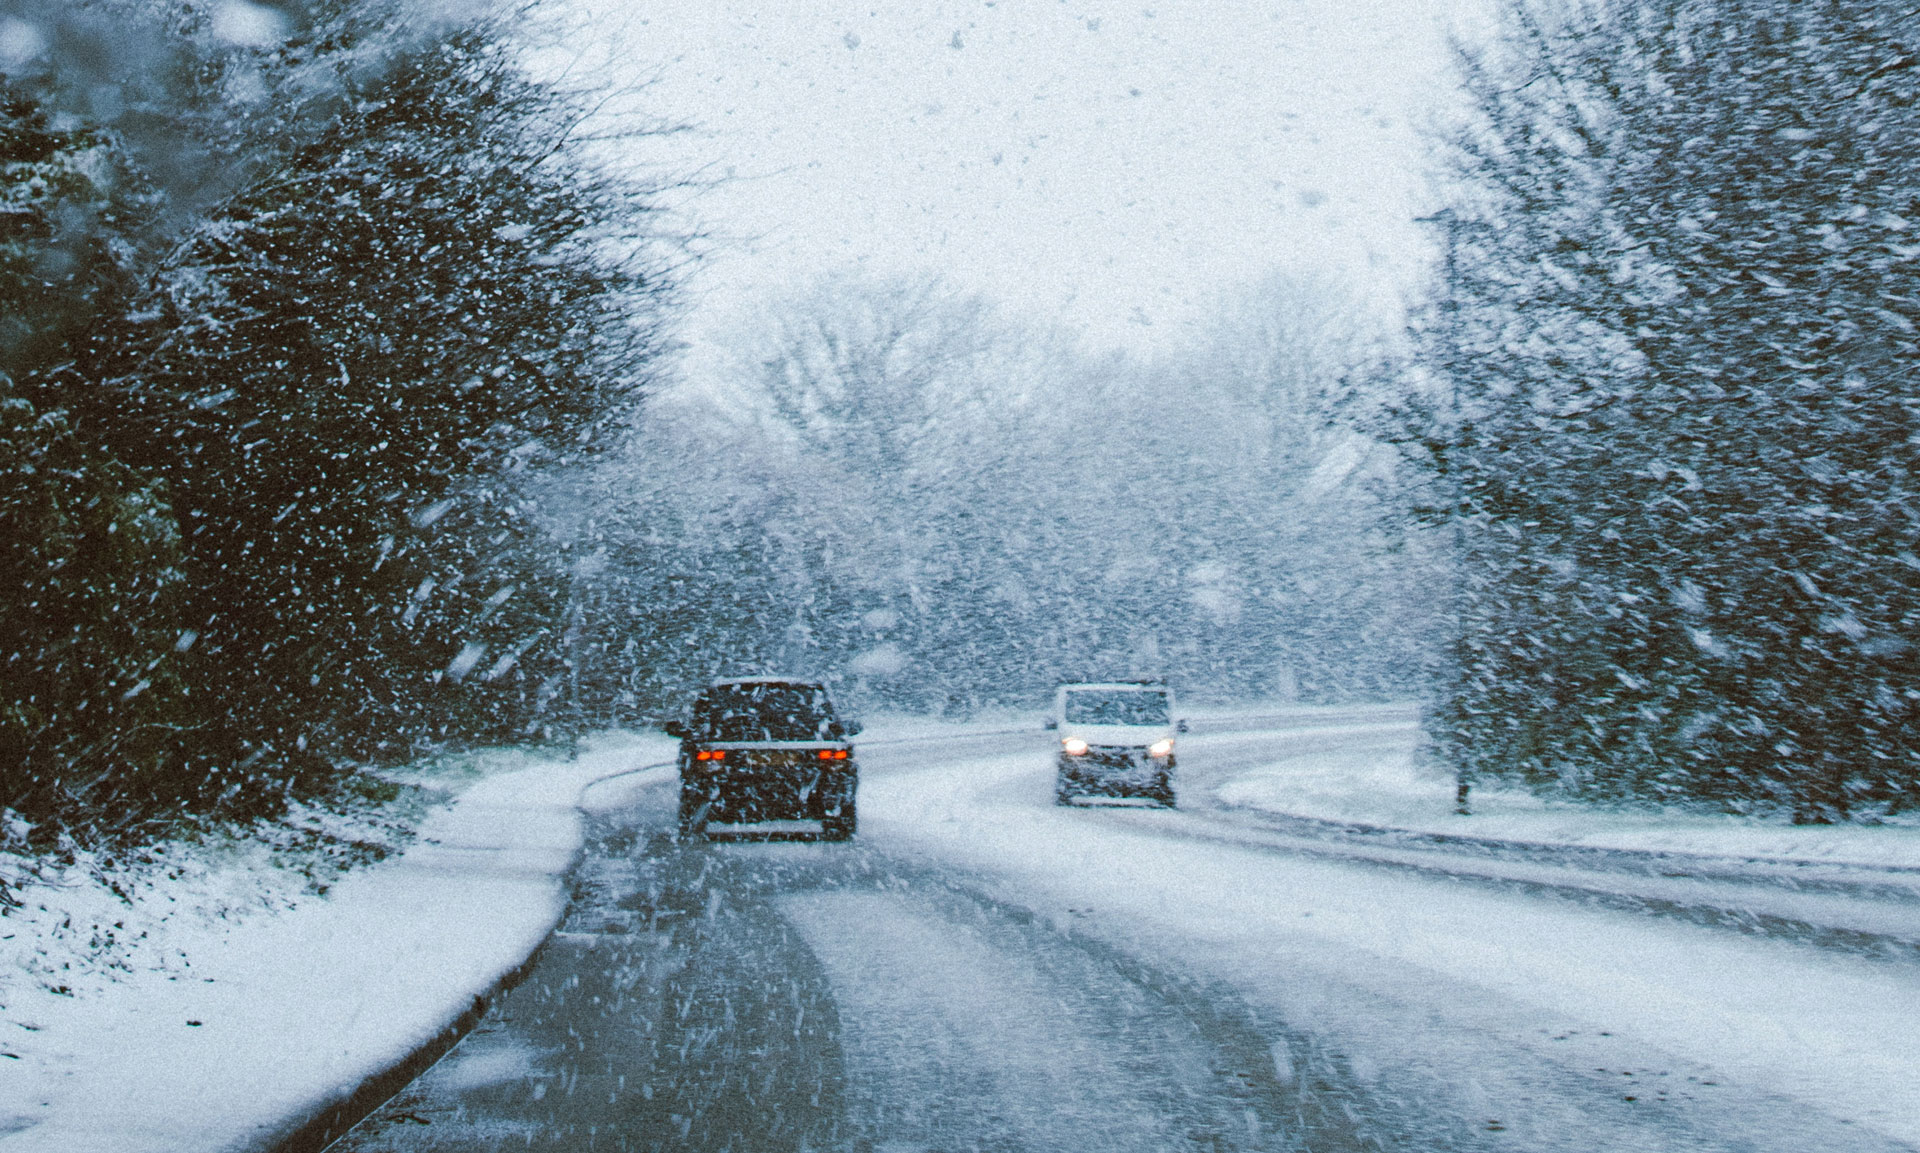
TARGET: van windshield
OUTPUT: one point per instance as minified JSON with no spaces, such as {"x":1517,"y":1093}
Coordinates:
{"x":764,"y":712}
{"x":1116,"y":707}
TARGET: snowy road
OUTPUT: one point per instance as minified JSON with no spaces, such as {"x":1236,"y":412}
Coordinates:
{"x":983,"y":970}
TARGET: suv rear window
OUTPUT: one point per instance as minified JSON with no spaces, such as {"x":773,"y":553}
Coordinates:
{"x":1116,"y":707}
{"x":764,"y":712}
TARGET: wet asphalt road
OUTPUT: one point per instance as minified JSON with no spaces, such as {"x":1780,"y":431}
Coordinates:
{"x":767,"y":995}
{"x":789,"y":995}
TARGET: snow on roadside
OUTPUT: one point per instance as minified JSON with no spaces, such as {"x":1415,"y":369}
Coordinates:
{"x":1427,"y":977}
{"x":245,"y":1000}
{"x":1357,"y":764}
{"x":1366,"y":772}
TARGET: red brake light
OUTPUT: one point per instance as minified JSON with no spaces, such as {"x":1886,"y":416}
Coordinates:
{"x":710,"y":755}
{"x":833,"y":754}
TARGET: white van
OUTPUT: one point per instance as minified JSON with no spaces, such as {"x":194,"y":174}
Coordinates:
{"x":1116,"y":740}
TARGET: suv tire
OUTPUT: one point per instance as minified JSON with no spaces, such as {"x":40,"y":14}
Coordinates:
{"x":840,"y":826}
{"x":693,"y":814}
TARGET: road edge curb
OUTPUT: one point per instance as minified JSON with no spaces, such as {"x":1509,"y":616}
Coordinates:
{"x":334,"y":1120}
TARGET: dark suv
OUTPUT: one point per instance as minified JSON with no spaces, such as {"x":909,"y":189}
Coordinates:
{"x":766,"y":749}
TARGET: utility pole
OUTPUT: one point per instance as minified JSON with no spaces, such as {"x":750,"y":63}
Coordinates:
{"x":1449,"y":223}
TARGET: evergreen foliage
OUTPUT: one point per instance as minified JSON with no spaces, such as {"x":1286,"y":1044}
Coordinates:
{"x":321,"y":402}
{"x":1673,"y":422}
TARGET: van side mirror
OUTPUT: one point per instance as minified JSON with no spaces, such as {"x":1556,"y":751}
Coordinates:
{"x":1050,"y":723}
{"x":851,"y":728}
{"x":674,"y":729}
{"x":1180,"y":726}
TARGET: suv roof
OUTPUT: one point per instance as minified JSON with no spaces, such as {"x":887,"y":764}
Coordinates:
{"x":764,"y":709}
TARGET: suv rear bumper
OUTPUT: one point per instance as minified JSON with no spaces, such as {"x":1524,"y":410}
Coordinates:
{"x":768,"y":782}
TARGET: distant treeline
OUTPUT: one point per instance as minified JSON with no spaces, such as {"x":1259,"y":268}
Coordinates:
{"x":297,"y":305}
{"x":1671,"y":411}
{"x":944,"y":509}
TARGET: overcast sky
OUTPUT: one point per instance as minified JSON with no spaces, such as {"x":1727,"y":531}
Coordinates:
{"x":1113,"y":166}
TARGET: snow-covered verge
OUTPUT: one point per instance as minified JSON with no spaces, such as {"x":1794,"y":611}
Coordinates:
{"x":1480,"y":1009}
{"x":240,"y":997}
{"x":1359,"y":765}
{"x":1364,"y":771}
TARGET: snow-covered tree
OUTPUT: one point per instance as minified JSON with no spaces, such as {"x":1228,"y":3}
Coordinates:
{"x":340,"y":380}
{"x":893,"y":484}
{"x":1671,"y":412}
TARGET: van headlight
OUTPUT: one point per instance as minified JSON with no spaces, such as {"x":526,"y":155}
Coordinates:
{"x":1162,"y":748}
{"x":1074,"y":746}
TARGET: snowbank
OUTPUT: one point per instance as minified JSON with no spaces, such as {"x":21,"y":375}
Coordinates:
{"x":250,"y":1029}
{"x":1452,"y":1003}
{"x":1364,"y":772}
{"x":1356,"y":764}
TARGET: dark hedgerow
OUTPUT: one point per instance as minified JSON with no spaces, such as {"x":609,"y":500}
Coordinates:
{"x":347,"y":379}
